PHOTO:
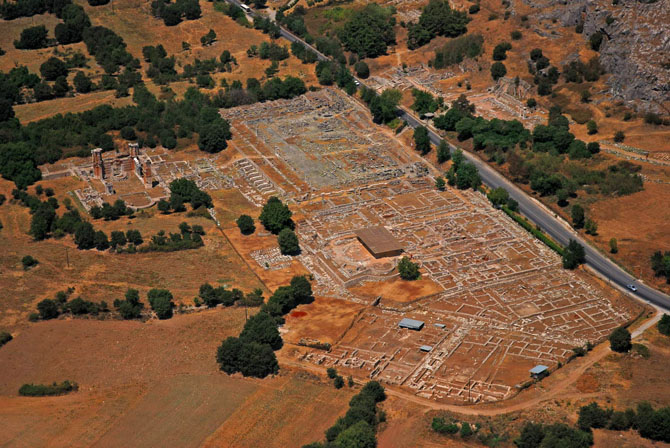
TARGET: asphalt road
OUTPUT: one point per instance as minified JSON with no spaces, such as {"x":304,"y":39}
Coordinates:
{"x":531,"y":208}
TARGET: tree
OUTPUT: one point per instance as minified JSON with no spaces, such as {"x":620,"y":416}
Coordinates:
{"x":246,"y":224}
{"x":362,"y":69}
{"x":288,"y":242}
{"x":275,"y":215}
{"x":407,"y":269}
{"x":498,"y":70}
{"x":41,"y":221}
{"x":591,"y":127}
{"x":117,"y":239}
{"x":440,"y":184}
{"x":358,"y":435}
{"x":620,"y":340}
{"x":82,"y":83}
{"x":131,"y":307}
{"x":100,"y":240}
{"x":258,"y":360}
{"x":209,"y":38}
{"x":614,"y":246}
{"x":262,"y":328}
{"x":338,"y":382}
{"x":500,"y":51}
{"x":161,"y":302}
{"x":5,"y":338}
{"x":32,"y":38}
{"x":573,"y":255}
{"x":331,"y":372}
{"x":48,"y":309}
{"x":212,"y":138}
{"x":443,"y":153}
{"x":422,"y":140}
{"x":84,"y":235}
{"x":228,"y":355}
{"x":498,"y":196}
{"x":577,"y":213}
{"x":52,"y":68}
{"x":664,"y":325}
{"x":591,"y":227}
{"x":619,"y":136}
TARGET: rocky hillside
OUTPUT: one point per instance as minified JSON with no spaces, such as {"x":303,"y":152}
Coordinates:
{"x":636,"y":43}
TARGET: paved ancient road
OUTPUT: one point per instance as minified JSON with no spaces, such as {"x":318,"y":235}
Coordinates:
{"x":531,"y":208}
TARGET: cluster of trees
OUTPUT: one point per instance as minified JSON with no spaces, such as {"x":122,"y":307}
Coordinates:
{"x":187,"y":191}
{"x":329,"y":72}
{"x":273,"y":51}
{"x":161,"y":68}
{"x":620,"y":340}
{"x":211,"y":297}
{"x":52,"y":308}
{"x":252,"y":353}
{"x":463,"y":174}
{"x":650,"y":423}
{"x":111,"y":212}
{"x":24,"y":147}
{"x":456,"y":50}
{"x":424,"y":102}
{"x":276,"y":218}
{"x":577,"y":71}
{"x":358,"y":426}
{"x":273,"y":89}
{"x":437,"y":19}
{"x":440,"y":425}
{"x":499,"y":197}
{"x":130,"y":307}
{"x":28,"y":8}
{"x":408,"y":270}
{"x":295,"y":22}
{"x":536,"y":435}
{"x":545,"y":75}
{"x":303,"y":53}
{"x":660,"y":264}
{"x":369,"y":31}
{"x":338,"y":381}
{"x":267,"y":26}
{"x":43,"y":390}
{"x":384,"y":107}
{"x":173,"y":13}
{"x":187,"y":238}
{"x":161,"y":303}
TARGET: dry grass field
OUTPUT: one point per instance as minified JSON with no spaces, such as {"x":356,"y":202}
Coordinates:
{"x":153,"y":384}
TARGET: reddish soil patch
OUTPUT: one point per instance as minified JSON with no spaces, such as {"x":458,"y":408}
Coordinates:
{"x":298,"y":314}
{"x":587,"y":383}
{"x":328,"y":320}
{"x":398,"y":290}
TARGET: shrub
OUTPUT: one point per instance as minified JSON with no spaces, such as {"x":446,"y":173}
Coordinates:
{"x":516,"y":35}
{"x":331,"y":372}
{"x":362,"y":69}
{"x":48,"y":309}
{"x":42,"y":390}
{"x":619,"y":136}
{"x":438,"y":425}
{"x":456,"y":50}
{"x":53,"y":68}
{"x":338,"y":382}
{"x":5,"y":338}
{"x":28,"y":262}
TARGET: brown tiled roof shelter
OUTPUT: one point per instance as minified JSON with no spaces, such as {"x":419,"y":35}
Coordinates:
{"x":379,"y":242}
